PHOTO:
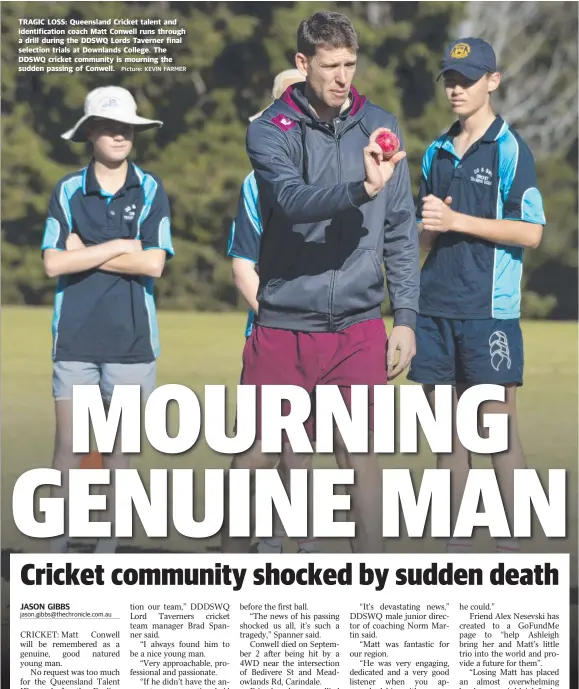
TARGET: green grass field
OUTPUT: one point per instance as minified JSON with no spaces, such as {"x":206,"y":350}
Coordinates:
{"x":201,"y":349}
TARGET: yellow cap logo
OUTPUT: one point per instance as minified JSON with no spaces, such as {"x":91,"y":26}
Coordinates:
{"x":460,"y":51}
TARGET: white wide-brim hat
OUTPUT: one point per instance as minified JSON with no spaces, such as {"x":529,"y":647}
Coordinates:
{"x":110,"y":103}
{"x":280,"y":83}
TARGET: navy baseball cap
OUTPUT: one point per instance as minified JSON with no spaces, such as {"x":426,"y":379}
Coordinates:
{"x":471,"y":57}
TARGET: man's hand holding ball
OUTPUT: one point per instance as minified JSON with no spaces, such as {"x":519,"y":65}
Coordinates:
{"x":381,"y":156}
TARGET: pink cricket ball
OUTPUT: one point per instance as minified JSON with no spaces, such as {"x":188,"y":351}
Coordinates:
{"x":389,"y":143}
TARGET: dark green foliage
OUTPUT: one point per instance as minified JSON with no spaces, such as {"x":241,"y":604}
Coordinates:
{"x":232,"y":51}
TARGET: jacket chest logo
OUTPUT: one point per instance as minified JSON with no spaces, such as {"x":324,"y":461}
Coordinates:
{"x":482,"y":175}
{"x":283,"y":122}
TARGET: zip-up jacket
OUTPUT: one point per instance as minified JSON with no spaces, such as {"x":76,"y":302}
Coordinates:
{"x":324,"y":238}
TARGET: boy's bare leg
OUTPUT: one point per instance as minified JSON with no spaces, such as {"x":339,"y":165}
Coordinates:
{"x":113,"y":461}
{"x":63,"y":460}
{"x":143,"y":375}
{"x":459,"y":463}
{"x":506,"y":463}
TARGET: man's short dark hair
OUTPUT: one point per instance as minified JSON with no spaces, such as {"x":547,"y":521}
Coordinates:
{"x":326,"y":29}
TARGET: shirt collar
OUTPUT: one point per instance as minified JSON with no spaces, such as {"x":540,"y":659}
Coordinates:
{"x":496,"y":129}
{"x":90,"y":183}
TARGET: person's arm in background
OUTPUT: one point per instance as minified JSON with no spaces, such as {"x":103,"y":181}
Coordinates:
{"x":244,"y":243}
{"x":268,"y":149}
{"x":402,"y":263}
{"x":154,"y":233}
{"x":58,"y":261}
{"x":246,"y":280}
{"x":523,"y":215}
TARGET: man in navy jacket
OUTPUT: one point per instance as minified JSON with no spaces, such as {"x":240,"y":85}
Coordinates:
{"x":333,"y":209}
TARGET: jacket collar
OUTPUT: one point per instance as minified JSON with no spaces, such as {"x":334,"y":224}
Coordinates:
{"x":294,"y":97}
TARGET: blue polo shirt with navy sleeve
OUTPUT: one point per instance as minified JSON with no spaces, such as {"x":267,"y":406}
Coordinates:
{"x":102,"y":317}
{"x":246,"y":231}
{"x":465,"y":277}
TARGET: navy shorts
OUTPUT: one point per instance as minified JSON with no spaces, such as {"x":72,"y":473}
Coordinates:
{"x":471,"y":352}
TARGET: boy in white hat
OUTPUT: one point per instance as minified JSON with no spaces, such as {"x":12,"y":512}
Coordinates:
{"x":106,"y":238}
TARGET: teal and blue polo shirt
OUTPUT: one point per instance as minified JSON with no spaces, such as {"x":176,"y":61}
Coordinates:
{"x":466,"y":277}
{"x":246,"y":230}
{"x":102,"y":317}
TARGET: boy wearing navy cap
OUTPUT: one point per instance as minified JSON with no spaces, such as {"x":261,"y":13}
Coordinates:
{"x":479,"y":207}
{"x":107,"y":235}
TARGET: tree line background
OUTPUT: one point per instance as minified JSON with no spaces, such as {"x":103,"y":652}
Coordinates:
{"x":232,"y":51}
